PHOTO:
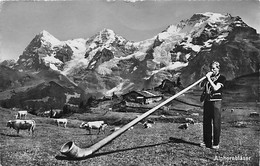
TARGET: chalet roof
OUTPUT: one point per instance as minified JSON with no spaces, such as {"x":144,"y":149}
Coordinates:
{"x":144,"y":93}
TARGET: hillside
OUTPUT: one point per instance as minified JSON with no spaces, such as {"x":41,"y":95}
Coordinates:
{"x":163,"y":144}
{"x":107,"y":63}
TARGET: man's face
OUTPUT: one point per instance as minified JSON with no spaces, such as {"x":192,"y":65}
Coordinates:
{"x":214,"y":69}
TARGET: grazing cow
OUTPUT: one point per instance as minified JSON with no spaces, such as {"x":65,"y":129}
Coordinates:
{"x":100,"y":125}
{"x":21,"y":114}
{"x":61,"y":121}
{"x":240,"y":124}
{"x":254,"y":114}
{"x":189,"y":120}
{"x":184,"y":126}
{"x":46,"y":114}
{"x":56,"y":113}
{"x":162,"y":116}
{"x":115,"y":129}
{"x":22,"y":125}
{"x":150,"y":121}
{"x":195,"y":114}
{"x":15,"y":109}
{"x":147,"y":124}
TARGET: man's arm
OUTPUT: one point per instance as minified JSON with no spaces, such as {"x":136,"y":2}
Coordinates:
{"x":215,"y":86}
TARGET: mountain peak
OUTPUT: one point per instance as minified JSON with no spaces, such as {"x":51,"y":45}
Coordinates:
{"x":47,"y":37}
{"x":44,"y":32}
{"x":108,"y":31}
{"x":211,"y":14}
{"x":107,"y":34}
{"x":105,"y":38}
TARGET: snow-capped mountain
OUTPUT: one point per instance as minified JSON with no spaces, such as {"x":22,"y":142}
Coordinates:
{"x":184,"y":41}
{"x":107,"y":62}
{"x":100,"y":49}
{"x":45,"y":50}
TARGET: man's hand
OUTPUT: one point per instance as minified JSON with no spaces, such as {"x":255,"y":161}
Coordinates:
{"x":209,"y":74}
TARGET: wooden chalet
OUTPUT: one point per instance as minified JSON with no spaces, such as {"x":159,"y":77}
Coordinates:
{"x":142,"y":97}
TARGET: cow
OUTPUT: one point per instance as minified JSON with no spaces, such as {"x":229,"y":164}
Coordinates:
{"x":99,"y":125}
{"x":195,"y":114}
{"x":22,"y":125}
{"x":56,"y":113}
{"x":21,"y":114}
{"x":162,"y":116}
{"x":150,"y":121}
{"x":240,"y":124}
{"x":61,"y":121}
{"x":147,"y":124}
{"x":15,"y":109}
{"x":117,"y":128}
{"x":254,"y":114}
{"x":189,"y":120}
{"x":45,"y":113}
{"x":184,"y":126}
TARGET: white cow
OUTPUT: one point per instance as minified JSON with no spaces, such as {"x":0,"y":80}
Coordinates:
{"x":189,"y":120}
{"x":99,"y":125}
{"x":22,"y":125}
{"x":15,"y":109}
{"x":254,"y":114}
{"x":21,"y":114}
{"x":184,"y":126}
{"x":61,"y":121}
{"x":162,"y":116}
{"x":195,"y":114}
{"x":115,"y":129}
{"x":46,"y":113}
{"x":147,"y":124}
{"x":56,"y":113}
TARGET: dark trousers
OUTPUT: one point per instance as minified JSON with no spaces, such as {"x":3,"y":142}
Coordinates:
{"x":211,"y":117}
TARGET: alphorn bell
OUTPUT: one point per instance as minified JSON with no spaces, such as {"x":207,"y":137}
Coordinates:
{"x":72,"y":151}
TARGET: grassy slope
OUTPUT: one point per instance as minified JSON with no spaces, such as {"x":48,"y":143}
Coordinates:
{"x":135,"y":147}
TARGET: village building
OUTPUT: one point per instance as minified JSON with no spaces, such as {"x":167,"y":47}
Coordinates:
{"x":142,"y":97}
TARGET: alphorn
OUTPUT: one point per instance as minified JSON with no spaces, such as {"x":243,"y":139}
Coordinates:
{"x":70,"y":150}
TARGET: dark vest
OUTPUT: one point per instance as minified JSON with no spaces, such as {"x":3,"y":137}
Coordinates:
{"x":208,"y":93}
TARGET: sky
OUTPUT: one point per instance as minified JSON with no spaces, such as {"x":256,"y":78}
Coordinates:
{"x":135,"y":20}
